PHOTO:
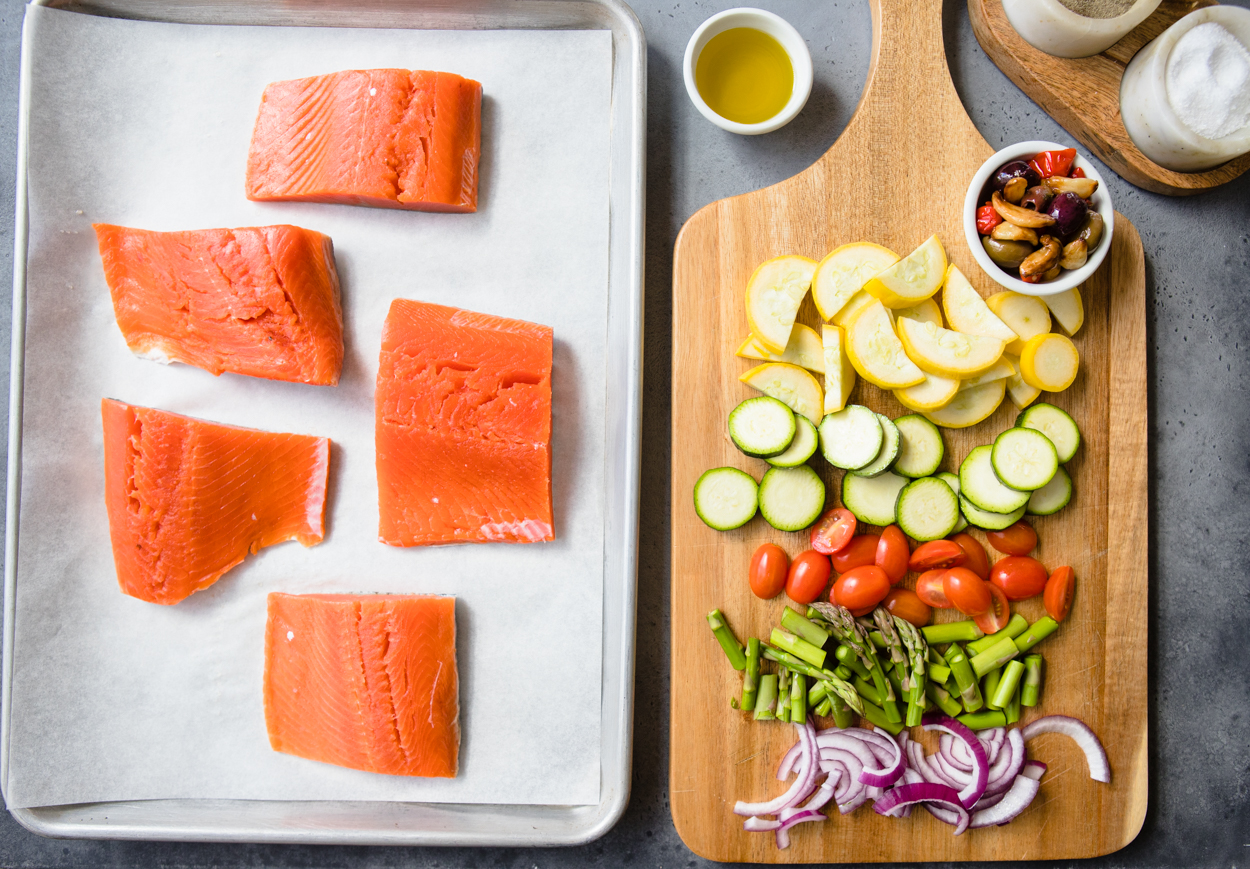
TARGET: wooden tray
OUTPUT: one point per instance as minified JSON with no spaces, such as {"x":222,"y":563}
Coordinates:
{"x":896,"y":175}
{"x":1083,"y":94}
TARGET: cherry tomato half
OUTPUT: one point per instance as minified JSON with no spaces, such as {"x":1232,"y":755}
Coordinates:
{"x":936,"y":553}
{"x":907,"y":605}
{"x":1018,"y":539}
{"x":996,"y":617}
{"x":978,"y":562}
{"x":1058,"y":595}
{"x":833,"y":531}
{"x":968,"y":593}
{"x":1019,"y":576}
{"x":892,"y":552}
{"x":929,"y":589}
{"x":767,"y":574}
{"x":860,"y":551}
{"x":808,"y":576}
{"x":861,"y":588}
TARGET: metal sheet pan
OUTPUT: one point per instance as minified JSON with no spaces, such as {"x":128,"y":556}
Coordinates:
{"x":389,"y":823}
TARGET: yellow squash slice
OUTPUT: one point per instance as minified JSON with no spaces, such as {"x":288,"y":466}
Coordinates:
{"x":839,"y":373}
{"x":790,"y":385}
{"x":1067,"y":308}
{"x":774,"y":294}
{"x":1049,"y":362}
{"x":948,"y":353}
{"x":851,"y":309}
{"x":875,"y":351}
{"x":935,"y":392}
{"x":967,"y":312}
{"x":844,"y":272}
{"x":912,"y":279}
{"x":1000,"y":370}
{"x":805,"y":349}
{"x":970,"y":406}
{"x":925,"y":312}
{"x":1022,"y":395}
{"x":1027,"y":316}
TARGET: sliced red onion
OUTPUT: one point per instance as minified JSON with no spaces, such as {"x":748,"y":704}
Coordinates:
{"x":986,"y":801}
{"x":787,"y":762}
{"x":823,"y":795}
{"x":850,"y":785}
{"x":1014,"y":801}
{"x":980,"y":776}
{"x":803,"y":782}
{"x":928,"y":771}
{"x":956,"y":753}
{"x":760,"y":825}
{"x":783,"y":839}
{"x":931,"y":795}
{"x":1079,"y":732}
{"x":801,"y":818}
{"x":947,"y":770}
{"x":854,"y":803}
{"x":847,"y":742}
{"x":993,"y":740}
{"x":1033,"y":769}
{"x":910,"y":777}
{"x":893,"y":770}
{"x":1004,"y":770}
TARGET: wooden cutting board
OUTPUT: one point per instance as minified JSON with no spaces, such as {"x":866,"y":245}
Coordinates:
{"x":898,"y":174}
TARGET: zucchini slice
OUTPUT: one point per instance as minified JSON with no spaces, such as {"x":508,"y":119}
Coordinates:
{"x":850,"y":438}
{"x":888,"y":452}
{"x":979,"y":485}
{"x":1056,"y":425}
{"x":872,"y":499}
{"x":1024,"y":459}
{"x":801,"y":448}
{"x":920,"y":448}
{"x":987,"y":520}
{"x":927,"y":509}
{"x":725,"y":498}
{"x":791,"y":498}
{"x":762,"y":426}
{"x":1052,"y":497}
{"x":952,"y":480}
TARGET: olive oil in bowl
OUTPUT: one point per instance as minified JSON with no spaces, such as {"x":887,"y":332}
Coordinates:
{"x":744,"y":75}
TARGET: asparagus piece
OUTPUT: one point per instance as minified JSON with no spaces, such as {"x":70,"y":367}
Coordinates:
{"x":843,"y":672}
{"x":876,"y":638}
{"x":1008,"y":684}
{"x":867,"y":691}
{"x":798,"y":647}
{"x":965,"y":679}
{"x":879,"y":719}
{"x":952,"y":632}
{"x":727,"y":640}
{"x":914,"y":643}
{"x":835,"y":684}
{"x":808,"y":630}
{"x":899,"y":652}
{"x":990,"y":687}
{"x":751,"y":678}
{"x":847,"y":658}
{"x":798,"y":698}
{"x":1012,"y":709}
{"x":842,"y":715}
{"x":983,"y":720}
{"x":1038,"y":631}
{"x":943,"y":700}
{"x":1015,"y":627}
{"x":783,"y":694}
{"x":766,"y":699}
{"x":1034,"y":675}
{"x":995,"y":656}
{"x":939,"y":673}
{"x":825,"y":709}
{"x":851,"y":634}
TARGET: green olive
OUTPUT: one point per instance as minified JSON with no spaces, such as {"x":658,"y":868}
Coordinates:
{"x":1007,"y":254}
{"x":1091,"y":231}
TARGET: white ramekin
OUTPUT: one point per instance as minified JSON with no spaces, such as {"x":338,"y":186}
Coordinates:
{"x":1067,"y":279}
{"x":776,"y":27}
{"x":1051,"y":27}
{"x":1148,"y":115}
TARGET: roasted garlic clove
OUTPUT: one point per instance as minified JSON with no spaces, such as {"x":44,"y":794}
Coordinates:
{"x":1019,"y":216}
{"x":1042,"y":260}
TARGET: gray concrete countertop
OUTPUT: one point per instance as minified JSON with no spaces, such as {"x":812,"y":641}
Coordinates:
{"x":1198,"y":286}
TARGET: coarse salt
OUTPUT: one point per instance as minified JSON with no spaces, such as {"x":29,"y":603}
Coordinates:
{"x":1208,"y":81}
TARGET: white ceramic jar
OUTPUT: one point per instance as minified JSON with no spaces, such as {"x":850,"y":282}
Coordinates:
{"x":1148,"y":115}
{"x":1050,"y":26}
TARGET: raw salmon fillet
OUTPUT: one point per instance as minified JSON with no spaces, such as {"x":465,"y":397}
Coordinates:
{"x":463,"y":428}
{"x":188,"y":500}
{"x":364,"y":681}
{"x":390,"y":138}
{"x":259,"y":300}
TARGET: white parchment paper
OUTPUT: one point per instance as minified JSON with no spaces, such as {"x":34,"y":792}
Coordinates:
{"x":148,"y":125}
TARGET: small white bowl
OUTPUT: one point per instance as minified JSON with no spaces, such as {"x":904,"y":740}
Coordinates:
{"x":776,"y":27}
{"x":1067,"y":279}
{"x":1050,"y":26}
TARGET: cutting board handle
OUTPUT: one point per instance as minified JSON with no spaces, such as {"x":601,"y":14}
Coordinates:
{"x":908,"y":53}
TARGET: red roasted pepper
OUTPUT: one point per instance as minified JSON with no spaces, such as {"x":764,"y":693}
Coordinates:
{"x":1047,"y":164}
{"x":987,"y":219}
{"x":1078,"y":172}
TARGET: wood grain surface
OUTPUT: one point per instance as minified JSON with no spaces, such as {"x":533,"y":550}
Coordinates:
{"x":896,"y":175}
{"x":1083,"y":93}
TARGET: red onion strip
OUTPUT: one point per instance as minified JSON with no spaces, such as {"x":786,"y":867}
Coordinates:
{"x":1014,"y":801}
{"x":1079,"y":732}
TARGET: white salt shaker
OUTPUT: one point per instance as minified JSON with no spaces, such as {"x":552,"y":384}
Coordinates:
{"x":1151,"y":117}
{"x":1050,"y":26}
